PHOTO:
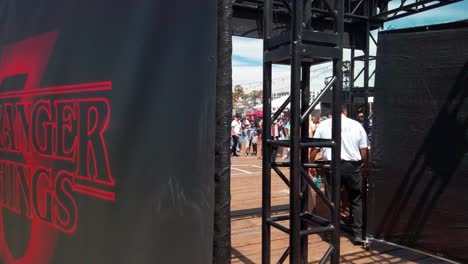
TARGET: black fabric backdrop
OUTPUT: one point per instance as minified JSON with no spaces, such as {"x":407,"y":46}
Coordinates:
{"x":222,"y":212}
{"x":418,"y":186}
{"x":158,"y":59}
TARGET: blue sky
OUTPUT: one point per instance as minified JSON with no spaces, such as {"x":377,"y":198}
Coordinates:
{"x":247,"y":53}
{"x":450,"y":13}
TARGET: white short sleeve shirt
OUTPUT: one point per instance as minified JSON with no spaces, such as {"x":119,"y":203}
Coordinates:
{"x":236,"y":126}
{"x":353,"y":138}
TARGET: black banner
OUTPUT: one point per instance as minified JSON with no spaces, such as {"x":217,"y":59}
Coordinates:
{"x":420,"y":140}
{"x":106,"y":131}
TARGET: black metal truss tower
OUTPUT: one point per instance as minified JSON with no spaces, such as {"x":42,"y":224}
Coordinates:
{"x":300,"y":47}
{"x":301,"y":33}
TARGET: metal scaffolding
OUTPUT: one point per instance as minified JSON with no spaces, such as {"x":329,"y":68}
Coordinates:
{"x":301,"y":33}
{"x":301,"y":46}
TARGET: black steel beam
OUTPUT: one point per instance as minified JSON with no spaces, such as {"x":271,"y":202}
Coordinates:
{"x":336,"y":137}
{"x":287,"y":6}
{"x":412,"y":8}
{"x":304,"y":165}
{"x":366,"y":69}
{"x":327,"y":255}
{"x":316,"y":165}
{"x":315,"y":219}
{"x":295,"y":112}
{"x":305,"y":96}
{"x":310,"y":108}
{"x":351,"y":16}
{"x":317,"y":230}
{"x":284,"y":256}
{"x":279,"y":227}
{"x":266,"y":148}
{"x":281,"y":175}
{"x":279,"y":218}
{"x":318,"y":144}
{"x":281,"y":109}
{"x":363,"y":58}
{"x":320,"y":37}
{"x":321,"y":52}
{"x":351,"y":81}
{"x":317,"y":189}
{"x":277,"y":55}
{"x":279,"y":40}
{"x":326,"y":143}
{"x":359,"y":74}
{"x":420,"y":10}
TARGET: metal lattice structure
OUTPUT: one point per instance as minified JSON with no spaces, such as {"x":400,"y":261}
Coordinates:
{"x":300,"y":47}
{"x":301,"y":33}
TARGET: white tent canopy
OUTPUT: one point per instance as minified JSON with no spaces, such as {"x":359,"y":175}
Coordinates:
{"x":275,"y":104}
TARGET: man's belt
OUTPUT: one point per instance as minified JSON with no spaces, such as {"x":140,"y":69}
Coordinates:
{"x":354,"y":162}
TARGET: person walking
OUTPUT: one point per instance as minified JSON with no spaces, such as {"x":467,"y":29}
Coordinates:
{"x":248,"y":139}
{"x":354,"y":158}
{"x":235,"y":132}
{"x":255,"y":142}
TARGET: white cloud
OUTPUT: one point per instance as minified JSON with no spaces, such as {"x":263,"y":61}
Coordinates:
{"x":246,"y":74}
{"x":248,"y":48}
{"x":250,"y":75}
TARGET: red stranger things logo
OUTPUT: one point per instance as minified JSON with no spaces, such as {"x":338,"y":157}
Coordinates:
{"x":52,"y":147}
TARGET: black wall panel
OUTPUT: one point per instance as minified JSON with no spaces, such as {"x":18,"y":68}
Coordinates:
{"x":418,"y":187}
{"x":107,"y":131}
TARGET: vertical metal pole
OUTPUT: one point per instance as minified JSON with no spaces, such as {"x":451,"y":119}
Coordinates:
{"x":305,"y":155}
{"x":294,"y":195}
{"x":366,"y":67}
{"x":222,"y":177}
{"x":336,"y":133}
{"x":351,"y":83}
{"x":368,"y":8}
{"x":305,"y":133}
{"x":266,"y":148}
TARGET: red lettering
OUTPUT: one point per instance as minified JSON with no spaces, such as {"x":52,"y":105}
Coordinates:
{"x":50,"y":149}
{"x":22,"y":127}
{"x":42,"y":194}
{"x":65,"y":209}
{"x":93,"y":161}
{"x":42,"y":127}
{"x":67,"y":129}
{"x":3,"y":189}
{"x":11,"y":200}
{"x":23,"y":189}
{"x":8,"y":134}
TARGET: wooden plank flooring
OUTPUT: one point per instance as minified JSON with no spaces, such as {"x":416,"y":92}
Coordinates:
{"x":246,"y":186}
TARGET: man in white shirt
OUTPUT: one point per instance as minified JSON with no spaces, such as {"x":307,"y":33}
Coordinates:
{"x":354,"y":155}
{"x":235,"y":132}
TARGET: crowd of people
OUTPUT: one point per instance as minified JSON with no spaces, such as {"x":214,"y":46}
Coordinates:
{"x":246,"y":133}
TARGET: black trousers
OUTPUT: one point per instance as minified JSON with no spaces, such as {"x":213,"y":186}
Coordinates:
{"x":235,"y":140}
{"x":351,"y":179}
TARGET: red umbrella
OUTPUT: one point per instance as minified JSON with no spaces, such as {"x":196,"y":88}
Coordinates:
{"x":258,"y":113}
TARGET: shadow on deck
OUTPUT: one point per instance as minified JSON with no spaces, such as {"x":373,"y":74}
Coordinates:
{"x":246,"y":225}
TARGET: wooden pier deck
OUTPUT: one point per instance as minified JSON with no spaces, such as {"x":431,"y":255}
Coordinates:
{"x":246,"y":202}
